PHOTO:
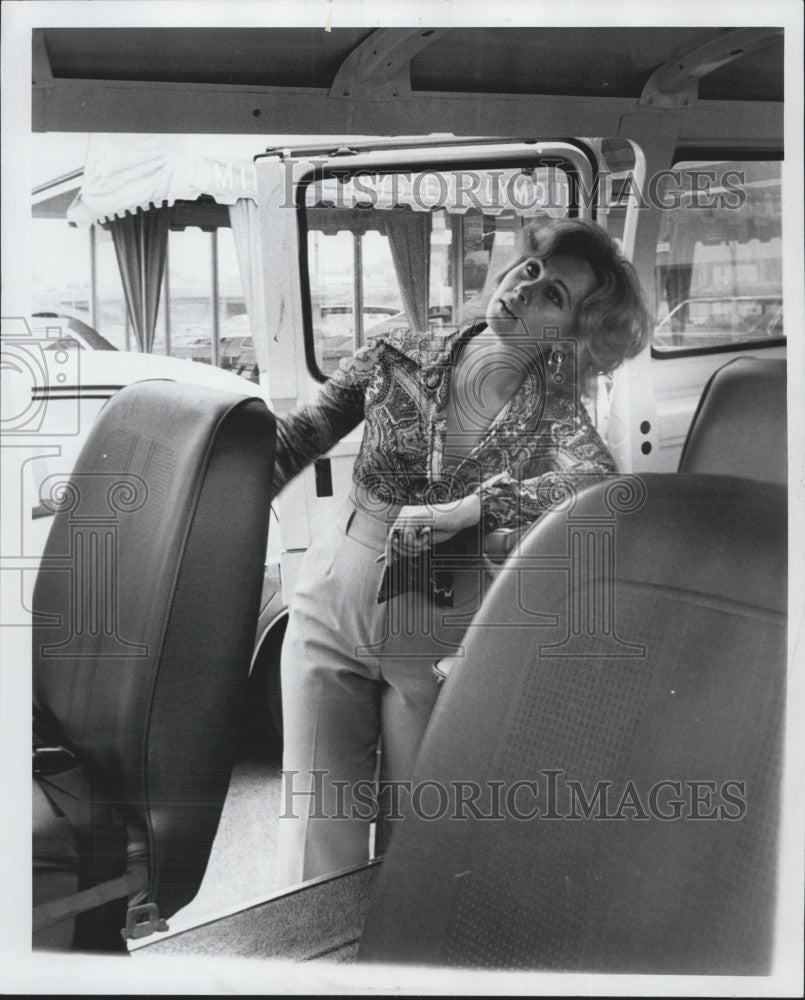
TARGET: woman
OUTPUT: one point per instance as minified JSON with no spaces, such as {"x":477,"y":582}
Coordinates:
{"x":463,"y":434}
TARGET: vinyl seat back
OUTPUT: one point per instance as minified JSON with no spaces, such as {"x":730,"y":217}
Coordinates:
{"x":739,"y":428}
{"x":660,"y":690}
{"x":145,"y":609}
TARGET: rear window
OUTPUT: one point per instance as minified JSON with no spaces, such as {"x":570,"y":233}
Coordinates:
{"x":719,"y":259}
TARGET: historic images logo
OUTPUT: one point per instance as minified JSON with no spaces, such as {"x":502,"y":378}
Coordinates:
{"x":525,"y":190}
{"x":550,"y":795}
{"x":41,"y":422}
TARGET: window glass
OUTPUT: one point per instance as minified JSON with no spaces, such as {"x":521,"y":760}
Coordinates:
{"x":190,"y":285}
{"x":236,"y":346}
{"x":618,"y":167}
{"x":61,"y":275}
{"x":111,"y":318}
{"x":332,"y":276}
{"x":62,"y":286}
{"x":414,"y":250}
{"x":719,"y":259}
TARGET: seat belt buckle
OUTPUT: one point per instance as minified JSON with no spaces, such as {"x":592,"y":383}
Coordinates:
{"x":142,"y":920}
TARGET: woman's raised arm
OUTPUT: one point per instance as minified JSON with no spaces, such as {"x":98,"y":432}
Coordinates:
{"x":311,"y":430}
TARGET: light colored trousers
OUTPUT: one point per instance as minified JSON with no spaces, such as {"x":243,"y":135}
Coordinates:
{"x":353,"y":669}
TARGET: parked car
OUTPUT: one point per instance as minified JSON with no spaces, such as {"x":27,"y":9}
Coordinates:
{"x":437,"y":316}
{"x":75,"y":334}
{"x":711,"y":320}
{"x":334,"y":331}
{"x":235,"y":347}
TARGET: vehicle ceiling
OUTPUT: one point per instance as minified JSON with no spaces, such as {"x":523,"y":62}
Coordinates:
{"x":611,"y":62}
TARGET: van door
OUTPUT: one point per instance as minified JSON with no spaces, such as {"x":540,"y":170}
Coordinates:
{"x":718,"y":293}
{"x":360,"y":241}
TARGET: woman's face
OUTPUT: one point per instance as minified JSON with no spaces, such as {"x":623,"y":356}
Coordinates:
{"x":541,"y":297}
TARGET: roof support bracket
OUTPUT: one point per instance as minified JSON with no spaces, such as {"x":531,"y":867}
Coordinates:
{"x":379,"y":68}
{"x":675,"y":84}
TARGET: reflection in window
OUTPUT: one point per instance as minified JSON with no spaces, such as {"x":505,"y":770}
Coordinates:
{"x":719,"y":259}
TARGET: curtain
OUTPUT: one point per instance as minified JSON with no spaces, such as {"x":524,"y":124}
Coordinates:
{"x":243,"y":217}
{"x":409,"y":238}
{"x":677,"y":280}
{"x":141,"y":242}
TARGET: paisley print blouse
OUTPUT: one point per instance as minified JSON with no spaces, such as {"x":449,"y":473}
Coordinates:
{"x":540,"y":445}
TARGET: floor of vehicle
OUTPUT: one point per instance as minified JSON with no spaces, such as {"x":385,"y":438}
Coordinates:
{"x":320,"y":920}
{"x":242,"y":865}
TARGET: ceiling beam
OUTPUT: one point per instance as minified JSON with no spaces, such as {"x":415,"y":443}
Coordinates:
{"x":675,"y":84}
{"x":116,"y":106}
{"x":379,"y":69}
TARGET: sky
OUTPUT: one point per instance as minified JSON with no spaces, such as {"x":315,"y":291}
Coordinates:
{"x":56,"y":153}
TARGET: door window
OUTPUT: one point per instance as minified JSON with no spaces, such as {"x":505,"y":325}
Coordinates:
{"x":421,"y":250}
{"x":719,"y":258}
